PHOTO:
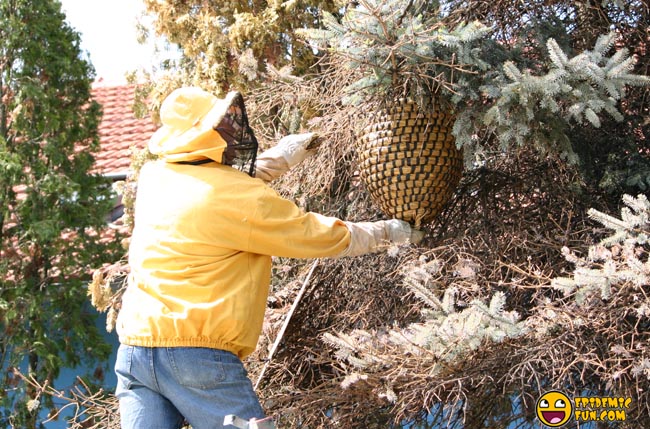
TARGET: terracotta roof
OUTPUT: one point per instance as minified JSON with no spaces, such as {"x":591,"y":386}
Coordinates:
{"x":119,"y":129}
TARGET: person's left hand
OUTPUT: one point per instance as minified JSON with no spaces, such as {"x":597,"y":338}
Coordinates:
{"x":400,"y":232}
{"x":294,"y":148}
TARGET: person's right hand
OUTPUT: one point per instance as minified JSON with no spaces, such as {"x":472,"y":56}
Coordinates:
{"x":369,"y":237}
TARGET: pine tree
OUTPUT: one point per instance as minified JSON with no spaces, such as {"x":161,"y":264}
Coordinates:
{"x":545,"y":74}
{"x":611,"y":157}
{"x":617,"y":261}
{"x":53,"y":208}
{"x":448,"y":331}
{"x":495,"y":88}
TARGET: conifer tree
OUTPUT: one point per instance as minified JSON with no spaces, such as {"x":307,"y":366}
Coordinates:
{"x":546,"y":74}
{"x":494,"y":87}
{"x":53,"y":208}
{"x":447,"y":332}
{"x":618,"y":261}
{"x":611,"y":156}
{"x":471,"y":50}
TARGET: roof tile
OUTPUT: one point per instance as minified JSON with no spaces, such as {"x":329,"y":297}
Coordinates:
{"x":119,"y":130}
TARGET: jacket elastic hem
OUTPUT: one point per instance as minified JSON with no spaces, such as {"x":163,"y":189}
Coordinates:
{"x":241,"y":352}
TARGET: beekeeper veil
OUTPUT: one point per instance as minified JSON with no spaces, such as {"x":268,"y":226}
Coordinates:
{"x":234,"y":128}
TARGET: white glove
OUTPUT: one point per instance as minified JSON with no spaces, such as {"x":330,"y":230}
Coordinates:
{"x":369,"y":237}
{"x":292,"y":148}
{"x":289,"y":152}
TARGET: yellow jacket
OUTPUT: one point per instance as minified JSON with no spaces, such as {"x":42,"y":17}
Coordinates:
{"x":200,"y":255}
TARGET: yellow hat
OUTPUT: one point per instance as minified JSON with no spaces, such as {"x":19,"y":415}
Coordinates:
{"x":188,"y":115}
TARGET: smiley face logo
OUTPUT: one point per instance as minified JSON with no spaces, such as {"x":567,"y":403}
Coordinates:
{"x":554,"y":408}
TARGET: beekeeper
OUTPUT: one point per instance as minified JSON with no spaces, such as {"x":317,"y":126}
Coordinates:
{"x":206,"y":226}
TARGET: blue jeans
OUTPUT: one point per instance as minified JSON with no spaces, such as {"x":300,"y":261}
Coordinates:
{"x":158,"y":387}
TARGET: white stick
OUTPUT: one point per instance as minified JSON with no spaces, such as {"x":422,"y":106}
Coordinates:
{"x":286,"y":321}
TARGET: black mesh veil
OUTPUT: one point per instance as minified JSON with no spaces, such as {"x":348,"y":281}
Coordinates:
{"x":235,"y":130}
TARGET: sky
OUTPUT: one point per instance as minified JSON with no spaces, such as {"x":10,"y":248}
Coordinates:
{"x":108,"y":34}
